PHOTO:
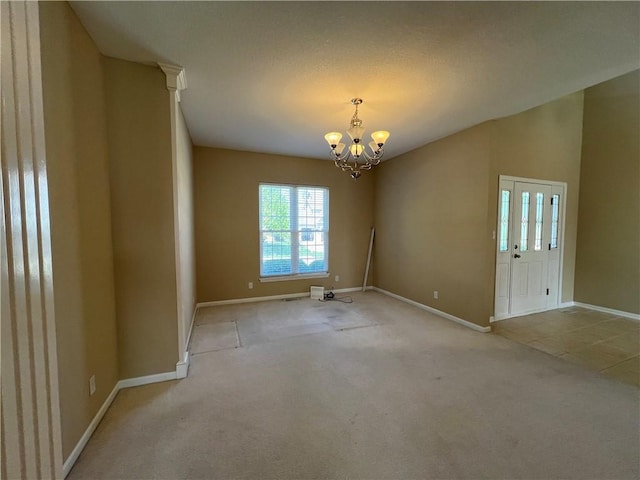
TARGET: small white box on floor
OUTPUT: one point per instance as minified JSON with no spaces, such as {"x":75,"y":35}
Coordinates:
{"x":317,"y":293}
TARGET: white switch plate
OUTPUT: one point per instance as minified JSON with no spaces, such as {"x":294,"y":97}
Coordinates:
{"x":92,"y":385}
{"x":337,"y":278}
{"x":250,"y":285}
{"x":435,"y":294}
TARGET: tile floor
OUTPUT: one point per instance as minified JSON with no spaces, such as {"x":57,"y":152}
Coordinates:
{"x":599,"y":341}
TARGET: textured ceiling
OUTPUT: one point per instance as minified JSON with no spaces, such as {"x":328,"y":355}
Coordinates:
{"x":276,"y":76}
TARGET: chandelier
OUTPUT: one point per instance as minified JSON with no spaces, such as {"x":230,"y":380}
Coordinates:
{"x":356,"y":158}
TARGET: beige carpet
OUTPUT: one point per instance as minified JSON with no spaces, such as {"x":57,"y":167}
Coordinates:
{"x":372,"y":389}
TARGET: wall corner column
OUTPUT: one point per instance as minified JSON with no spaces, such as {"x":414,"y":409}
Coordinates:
{"x":176,"y":82}
{"x":30,"y":408}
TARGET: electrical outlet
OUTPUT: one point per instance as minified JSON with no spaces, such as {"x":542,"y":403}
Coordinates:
{"x":435,"y":294}
{"x":92,"y":385}
{"x":250,"y":285}
{"x":337,"y":278}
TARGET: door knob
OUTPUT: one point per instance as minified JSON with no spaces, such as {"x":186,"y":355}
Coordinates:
{"x":516,"y":256}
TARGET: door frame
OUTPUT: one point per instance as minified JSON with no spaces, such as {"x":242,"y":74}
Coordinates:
{"x":562,"y":213}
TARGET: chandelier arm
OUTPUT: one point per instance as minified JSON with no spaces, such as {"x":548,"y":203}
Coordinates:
{"x":377,"y":158}
{"x":339,"y":157}
{"x":344,"y":166}
{"x":377,"y":155}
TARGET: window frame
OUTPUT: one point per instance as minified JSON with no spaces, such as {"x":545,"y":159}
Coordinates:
{"x":295,"y":232}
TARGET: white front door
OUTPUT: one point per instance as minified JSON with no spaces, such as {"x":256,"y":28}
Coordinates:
{"x":528,"y":253}
{"x":531,"y":235}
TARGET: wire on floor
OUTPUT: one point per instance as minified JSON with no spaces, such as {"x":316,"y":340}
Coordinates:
{"x":330,"y":297}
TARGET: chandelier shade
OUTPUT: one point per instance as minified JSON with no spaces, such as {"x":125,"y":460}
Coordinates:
{"x":333,"y":138}
{"x":356,"y":133}
{"x":356,"y":158}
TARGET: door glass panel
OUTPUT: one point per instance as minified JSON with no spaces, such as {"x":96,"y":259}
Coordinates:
{"x":537,"y":246}
{"x":504,"y":221}
{"x":524,"y":223}
{"x":555,"y":205}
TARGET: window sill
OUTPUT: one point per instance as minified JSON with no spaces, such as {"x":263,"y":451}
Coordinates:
{"x":302,"y":276}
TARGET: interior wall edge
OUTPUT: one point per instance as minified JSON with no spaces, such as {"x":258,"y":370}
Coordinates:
{"x":30,"y":406}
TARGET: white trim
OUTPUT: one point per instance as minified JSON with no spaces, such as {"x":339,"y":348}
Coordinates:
{"x":193,"y":321}
{"x":563,"y":230}
{"x":346,"y":290}
{"x":532,"y":180}
{"x":75,"y":453}
{"x":156,"y":378}
{"x":531,"y":312}
{"x":523,"y":314}
{"x":126,"y":383}
{"x":440,"y":313}
{"x":175,"y":76}
{"x":563,"y":215}
{"x":182,"y":367}
{"x":566,"y":305}
{"x":252,"y":299}
{"x":633,"y":316}
{"x":274,"y":297}
{"x":176,"y":81}
{"x":296,"y":276}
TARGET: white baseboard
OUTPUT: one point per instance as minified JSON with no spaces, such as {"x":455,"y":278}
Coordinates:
{"x":446,"y":315}
{"x":182,"y":367}
{"x":193,"y":321}
{"x":271,"y":297}
{"x":252,"y":299}
{"x":620,"y":313}
{"x":147,"y":379}
{"x":126,"y":383}
{"x":498,"y":318}
{"x":346,"y":290}
{"x":566,"y":304}
{"x":75,"y":453}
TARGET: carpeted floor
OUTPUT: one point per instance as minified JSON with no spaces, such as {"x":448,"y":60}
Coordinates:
{"x":372,"y":389}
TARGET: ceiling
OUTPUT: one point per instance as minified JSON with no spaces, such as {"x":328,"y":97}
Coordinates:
{"x":274,"y":77}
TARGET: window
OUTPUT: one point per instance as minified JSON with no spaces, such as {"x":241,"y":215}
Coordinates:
{"x":555,"y":205}
{"x":524,"y":224}
{"x":294,"y":230}
{"x":537,"y":246}
{"x":504,"y":221}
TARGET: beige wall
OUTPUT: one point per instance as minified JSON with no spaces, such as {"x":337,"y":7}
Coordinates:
{"x":139,"y":134}
{"x":431,"y":224}
{"x":185,"y":232}
{"x":608,"y":253}
{"x":226,"y":220}
{"x":436,"y":206}
{"x":76,"y":147}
